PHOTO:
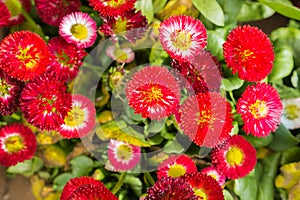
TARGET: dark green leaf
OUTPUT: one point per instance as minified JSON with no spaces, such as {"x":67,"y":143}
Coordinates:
{"x":246,"y":188}
{"x":81,"y":165}
{"x":156,"y":126}
{"x":215,"y":39}
{"x":259,"y":142}
{"x":135,"y":184}
{"x":232,"y":83}
{"x":158,"y":5}
{"x":61,"y":180}
{"x":172,"y":146}
{"x":286,"y":92}
{"x":231,"y":9}
{"x":290,"y":155}
{"x":251,"y":11}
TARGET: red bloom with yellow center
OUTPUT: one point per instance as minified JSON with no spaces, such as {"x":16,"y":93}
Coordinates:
{"x":17,"y":144}
{"x":24,"y":55}
{"x":204,"y":186}
{"x":249,"y":52}
{"x":153,"y":92}
{"x":206,"y":119}
{"x":45,"y":102}
{"x":176,"y":166}
{"x":108,"y":8}
{"x":235,"y":158}
{"x":213,"y":172}
{"x":261,"y":109}
{"x":86,"y":188}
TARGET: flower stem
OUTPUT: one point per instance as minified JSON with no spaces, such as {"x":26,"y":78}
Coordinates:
{"x":231,"y":97}
{"x":119,"y":183}
{"x":149,"y":178}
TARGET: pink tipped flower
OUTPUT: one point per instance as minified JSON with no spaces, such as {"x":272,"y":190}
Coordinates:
{"x":123,"y":156}
{"x":153,"y":92}
{"x":17,"y":144}
{"x":261,"y":108}
{"x":121,"y":55}
{"x":80,"y":120}
{"x":78,"y":28}
{"x":249,"y":52}
{"x":52,"y":12}
{"x":176,"y":166}
{"x":214,"y":173}
{"x":235,"y":158}
{"x":182,"y":37}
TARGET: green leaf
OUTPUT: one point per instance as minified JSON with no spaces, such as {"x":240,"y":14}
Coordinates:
{"x":172,"y":146}
{"x":246,"y":188}
{"x":81,"y":165}
{"x":157,"y":54}
{"x":156,"y":126}
{"x":251,"y":11}
{"x":232,"y":83}
{"x":211,"y":10}
{"x":146,"y":8}
{"x":158,"y":5}
{"x":283,"y":64}
{"x":135,"y":184}
{"x":295,"y":78}
{"x":286,"y":92}
{"x":27,"y":168}
{"x":283,"y":139}
{"x":290,"y":155}
{"x":227,"y":195}
{"x":231,"y":9}
{"x":61,"y":180}
{"x":215,"y":40}
{"x":259,"y":142}
{"x":284,"y":7}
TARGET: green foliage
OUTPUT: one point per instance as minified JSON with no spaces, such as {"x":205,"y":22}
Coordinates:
{"x":251,"y":11}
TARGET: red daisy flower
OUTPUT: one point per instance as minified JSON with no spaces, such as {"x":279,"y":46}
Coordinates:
{"x":204,"y":186}
{"x":261,"y":108}
{"x":17,"y":144}
{"x":52,"y":12}
{"x":249,"y":52}
{"x":15,"y":16}
{"x":45,"y":102}
{"x":86,"y":188}
{"x":24,"y":55}
{"x":10,"y":90}
{"x":235,"y":158}
{"x":206,"y":119}
{"x":169,"y":188}
{"x":123,"y":156}
{"x":182,"y":37}
{"x":176,"y":166}
{"x":67,"y":59}
{"x":80,"y":120}
{"x":153,"y":92}
{"x":214,"y":173}
{"x":5,"y":15}
{"x":108,"y":8}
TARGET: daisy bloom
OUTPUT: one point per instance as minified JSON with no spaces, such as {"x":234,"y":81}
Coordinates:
{"x":121,"y":55}
{"x":24,"y":55}
{"x":5,"y":15}
{"x":112,"y":7}
{"x":204,"y":186}
{"x":213,"y":172}
{"x":45,"y":102}
{"x":17,"y":144}
{"x":235,"y":158}
{"x":52,"y":12}
{"x":86,"y":188}
{"x":123,"y":156}
{"x":169,"y":188}
{"x":206,"y":119}
{"x":80,"y":120}
{"x":67,"y":59}
{"x":182,"y":37}
{"x":249,"y":52}
{"x":78,"y":28}
{"x":291,"y":113}
{"x":176,"y":166}
{"x":153,"y":92}
{"x":10,"y":91}
{"x":261,"y":108}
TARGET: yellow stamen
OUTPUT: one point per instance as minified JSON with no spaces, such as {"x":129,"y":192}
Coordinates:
{"x":181,"y":40}
{"x":14,"y":144}
{"x":120,"y":25}
{"x":24,"y":57}
{"x":124,"y":152}
{"x":154,"y":94}
{"x":291,"y":111}
{"x":200,"y":193}
{"x":120,"y":55}
{"x":234,"y":156}
{"x":75,"y":117}
{"x":246,"y":54}
{"x":79,"y":31}
{"x":259,"y":109}
{"x":176,"y":170}
{"x":115,"y":3}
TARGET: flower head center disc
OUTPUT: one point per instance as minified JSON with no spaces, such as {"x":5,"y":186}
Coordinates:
{"x":115,"y":3}
{"x":14,"y":144}
{"x":29,"y":58}
{"x":176,"y":170}
{"x":181,"y":40}
{"x":124,"y":152}
{"x":200,"y":193}
{"x":120,"y":25}
{"x":290,"y":111}
{"x":75,"y":117}
{"x":79,"y":31}
{"x":259,"y":109}
{"x":153,"y":94}
{"x":246,"y":54}
{"x":204,"y":117}
{"x":234,"y":156}
{"x":120,"y":55}
{"x":4,"y":88}
{"x":64,"y":59}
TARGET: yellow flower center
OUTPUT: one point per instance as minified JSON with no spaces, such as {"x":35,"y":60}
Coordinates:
{"x":200,"y":193}
{"x":14,"y":144}
{"x":176,"y":170}
{"x":234,"y":156}
{"x":115,"y":3}
{"x":79,"y":31}
{"x":181,"y":40}
{"x":153,"y":94}
{"x":75,"y":117}
{"x":259,"y":109}
{"x":120,"y":55}
{"x":120,"y":25}
{"x":246,"y":54}
{"x":124,"y":152}
{"x":27,"y":58}
{"x":204,"y":118}
{"x":4,"y":88}
{"x":291,"y":111}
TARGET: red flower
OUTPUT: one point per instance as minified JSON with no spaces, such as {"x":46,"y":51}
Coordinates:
{"x":204,"y":186}
{"x":206,"y":119}
{"x":24,"y":55}
{"x":214,"y":173}
{"x":86,"y":188}
{"x":169,"y":188}
{"x":182,"y":37}
{"x":235,"y":158}
{"x":5,"y":15}
{"x":52,"y":12}
{"x":45,"y":102}
{"x":17,"y":144}
{"x":249,"y":52}
{"x":176,"y":166}
{"x":14,"y":12}
{"x":261,"y":109}
{"x":153,"y":92}
{"x":67,"y":59}
{"x":108,"y":8}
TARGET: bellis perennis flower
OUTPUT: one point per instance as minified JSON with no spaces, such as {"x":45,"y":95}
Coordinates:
{"x":291,"y":113}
